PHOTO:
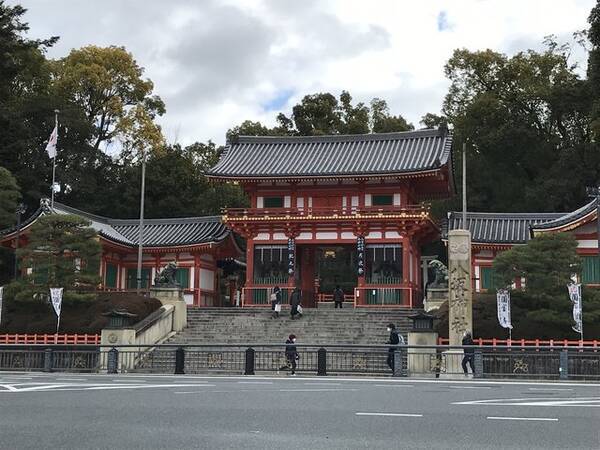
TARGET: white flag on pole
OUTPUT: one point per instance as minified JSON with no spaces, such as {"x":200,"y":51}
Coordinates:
{"x":56,"y":296}
{"x":52,"y":142}
{"x":503,"y":300}
{"x":575,"y":296}
{"x":1,"y":292}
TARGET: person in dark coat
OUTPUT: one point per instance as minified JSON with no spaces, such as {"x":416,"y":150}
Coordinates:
{"x":469,"y":353}
{"x":275,"y":300}
{"x":291,"y":354}
{"x":395,"y":339}
{"x":295,"y":299}
{"x":338,"y":297}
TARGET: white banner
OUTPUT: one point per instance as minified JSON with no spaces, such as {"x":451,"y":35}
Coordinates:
{"x":51,"y":146}
{"x":56,"y":296}
{"x":1,"y":292}
{"x":503,"y":299}
{"x":575,"y":296}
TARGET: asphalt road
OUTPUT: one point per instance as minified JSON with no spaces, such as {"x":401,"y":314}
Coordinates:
{"x":142,"y":412}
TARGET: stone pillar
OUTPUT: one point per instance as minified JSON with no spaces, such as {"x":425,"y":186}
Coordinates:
{"x":422,"y":361}
{"x":172,"y":296}
{"x":460,"y":302}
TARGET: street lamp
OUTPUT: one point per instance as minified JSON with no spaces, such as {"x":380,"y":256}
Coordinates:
{"x":19,"y":211}
{"x":595,"y":192}
{"x":141,"y":226}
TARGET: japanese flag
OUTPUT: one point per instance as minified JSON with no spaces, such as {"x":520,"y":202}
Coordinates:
{"x":51,"y":147}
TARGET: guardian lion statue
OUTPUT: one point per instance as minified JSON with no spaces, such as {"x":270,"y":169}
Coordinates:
{"x":166,"y":277}
{"x":441,"y":274}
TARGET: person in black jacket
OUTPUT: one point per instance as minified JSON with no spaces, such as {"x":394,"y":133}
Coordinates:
{"x":291,"y":354}
{"x":469,"y":353}
{"x":295,"y":299}
{"x":395,"y":339}
{"x":338,"y":297}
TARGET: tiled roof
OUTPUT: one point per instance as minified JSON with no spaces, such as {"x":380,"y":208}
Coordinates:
{"x":259,"y":157}
{"x":157,"y":232}
{"x":566,"y":219}
{"x":498,"y":228}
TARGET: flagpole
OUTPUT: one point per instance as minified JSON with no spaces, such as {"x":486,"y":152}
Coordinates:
{"x":56,"y":111}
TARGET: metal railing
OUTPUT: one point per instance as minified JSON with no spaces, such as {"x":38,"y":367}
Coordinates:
{"x":397,"y":296}
{"x":261,"y":295}
{"x":418,"y":361}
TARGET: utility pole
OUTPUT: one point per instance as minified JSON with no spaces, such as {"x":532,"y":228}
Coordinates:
{"x":141,"y":233}
{"x":464,"y":186}
{"x":20,"y":210}
{"x":56,"y":111}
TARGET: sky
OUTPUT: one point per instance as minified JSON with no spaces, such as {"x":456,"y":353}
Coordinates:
{"x":218,"y":63}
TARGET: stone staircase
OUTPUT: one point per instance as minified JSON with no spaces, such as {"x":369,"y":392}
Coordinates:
{"x":317,"y":326}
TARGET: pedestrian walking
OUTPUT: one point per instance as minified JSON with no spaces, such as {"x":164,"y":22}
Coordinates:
{"x":291,"y":354}
{"x":395,"y":340}
{"x":338,"y":297}
{"x":469,"y":353}
{"x":276,"y":302}
{"x":295,"y":298}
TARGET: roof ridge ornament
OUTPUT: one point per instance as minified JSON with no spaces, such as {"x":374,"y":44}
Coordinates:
{"x":45,"y":205}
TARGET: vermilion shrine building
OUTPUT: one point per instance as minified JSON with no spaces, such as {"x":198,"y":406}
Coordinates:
{"x":199,"y":245}
{"x":338,"y":210}
{"x":492,"y":233}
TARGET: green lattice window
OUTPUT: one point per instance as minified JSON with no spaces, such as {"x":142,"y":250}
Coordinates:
{"x":591,"y":270}
{"x":182,"y":276}
{"x":111,"y":276}
{"x":273,"y":202}
{"x":132,"y":278}
{"x":487,"y":278}
{"x":382,"y":200}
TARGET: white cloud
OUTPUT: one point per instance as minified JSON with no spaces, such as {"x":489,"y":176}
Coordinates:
{"x":217,"y":63}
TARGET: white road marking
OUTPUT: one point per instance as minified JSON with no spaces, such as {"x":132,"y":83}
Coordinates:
{"x":541,"y":419}
{"x":388,"y":414}
{"x":316,"y":390}
{"x":549,"y":389}
{"x":323,"y":384}
{"x":70,"y":379}
{"x":8,"y":387}
{"x":128,"y":381}
{"x":392,"y":385}
{"x":467,"y":387}
{"x":255,"y":382}
{"x":592,"y":402}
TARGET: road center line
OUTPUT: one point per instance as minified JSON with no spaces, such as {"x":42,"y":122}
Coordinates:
{"x":540,"y":419}
{"x":120,"y":380}
{"x":388,"y":414}
{"x":322,"y":384}
{"x":255,"y":382}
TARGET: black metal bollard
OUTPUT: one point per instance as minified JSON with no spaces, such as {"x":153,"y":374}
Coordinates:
{"x":112,"y":362}
{"x":322,"y":362}
{"x":398,"y":363}
{"x":48,"y":360}
{"x":179,"y":361}
{"x":249,"y":369}
{"x":564,"y":365}
{"x":478,"y":363}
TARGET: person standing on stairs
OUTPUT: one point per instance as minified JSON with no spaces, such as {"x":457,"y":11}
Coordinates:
{"x":395,"y":339}
{"x":295,"y":299}
{"x":338,"y":297}
{"x":276,"y":302}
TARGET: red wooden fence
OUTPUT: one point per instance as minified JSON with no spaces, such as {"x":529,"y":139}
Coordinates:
{"x":529,"y":342}
{"x":68,"y":339}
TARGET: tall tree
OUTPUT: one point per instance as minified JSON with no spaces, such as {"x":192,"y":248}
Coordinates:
{"x":9,"y":197}
{"x":63,"y":251}
{"x":383,"y":122}
{"x":593,"y":69}
{"x":526,"y":120}
{"x":107,"y":83}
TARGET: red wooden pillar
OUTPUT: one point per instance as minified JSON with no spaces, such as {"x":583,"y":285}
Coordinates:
{"x":249,"y":262}
{"x":406,"y":248}
{"x":196,"y":300}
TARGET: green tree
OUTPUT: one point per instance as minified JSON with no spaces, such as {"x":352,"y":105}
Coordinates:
{"x":63,"y":251}
{"x":527,"y":124}
{"x":593,"y":68}
{"x":383,"y":122}
{"x":9,"y":198}
{"x":107,"y":83}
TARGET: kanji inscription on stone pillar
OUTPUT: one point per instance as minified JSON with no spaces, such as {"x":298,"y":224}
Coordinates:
{"x":460,"y":294}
